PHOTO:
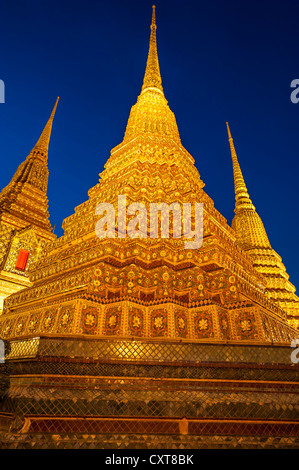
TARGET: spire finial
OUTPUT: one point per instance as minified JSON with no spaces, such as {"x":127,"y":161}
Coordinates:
{"x":152,"y":77}
{"x":151,"y":115}
{"x":42,"y":144}
{"x":154,"y":16}
{"x":243,"y":200}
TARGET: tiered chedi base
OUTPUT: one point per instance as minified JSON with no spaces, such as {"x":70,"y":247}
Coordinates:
{"x":100,"y":393}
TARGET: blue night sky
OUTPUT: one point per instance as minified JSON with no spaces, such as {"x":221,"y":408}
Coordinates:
{"x":221,"y":60}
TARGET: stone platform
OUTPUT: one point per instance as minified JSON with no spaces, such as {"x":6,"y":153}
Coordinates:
{"x":109,"y":394}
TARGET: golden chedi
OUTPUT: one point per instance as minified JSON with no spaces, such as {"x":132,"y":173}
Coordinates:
{"x":24,"y":217}
{"x":141,"y":336}
{"x":253,"y":239}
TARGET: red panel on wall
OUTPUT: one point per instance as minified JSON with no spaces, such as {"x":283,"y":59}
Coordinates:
{"x":22,"y":259}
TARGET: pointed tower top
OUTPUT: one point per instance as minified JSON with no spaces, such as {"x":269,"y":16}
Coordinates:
{"x":25,"y":197}
{"x":154,"y":16}
{"x":151,"y":116}
{"x":243,"y":200}
{"x":152,"y":77}
{"x":247,"y":223}
{"x":42,"y":145}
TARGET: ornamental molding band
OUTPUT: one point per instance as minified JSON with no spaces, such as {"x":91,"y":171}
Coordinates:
{"x":165,"y":345}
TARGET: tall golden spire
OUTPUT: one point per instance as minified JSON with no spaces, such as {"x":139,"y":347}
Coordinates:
{"x":152,"y":77}
{"x":243,"y":200}
{"x":252,"y":237}
{"x":247,"y":223}
{"x":25,"y":197}
{"x":42,"y":145}
{"x":152,"y":133}
{"x":151,"y":116}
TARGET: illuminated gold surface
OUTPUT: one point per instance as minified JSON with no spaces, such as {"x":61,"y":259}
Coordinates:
{"x":24,"y":217}
{"x":115,"y":340}
{"x":144,"y":287}
{"x":252,"y":237}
